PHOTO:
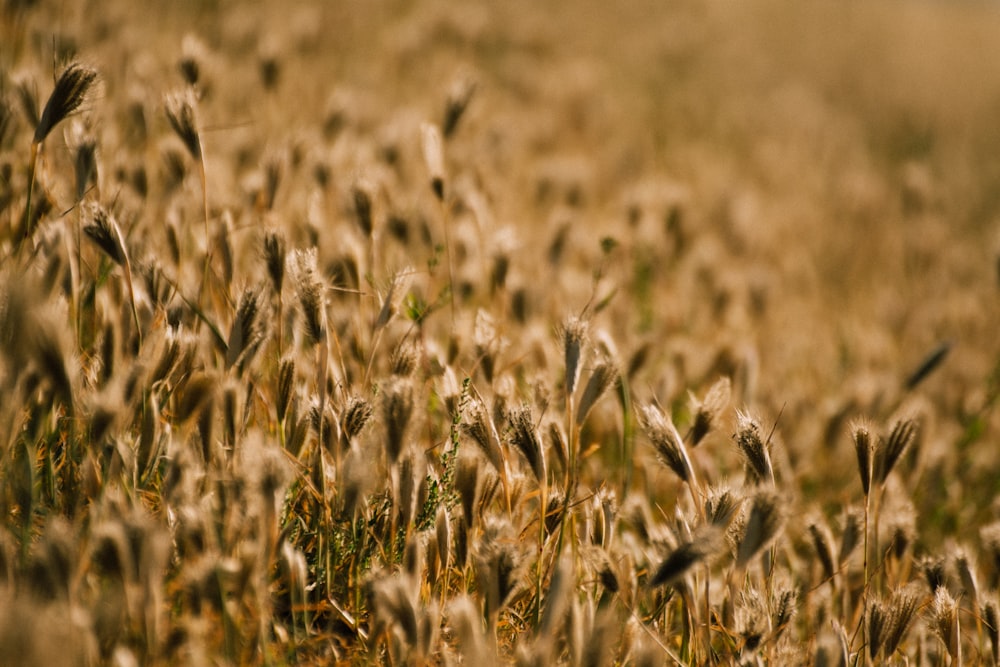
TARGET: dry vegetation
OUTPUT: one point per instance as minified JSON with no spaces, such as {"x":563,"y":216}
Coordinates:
{"x":421,"y":332}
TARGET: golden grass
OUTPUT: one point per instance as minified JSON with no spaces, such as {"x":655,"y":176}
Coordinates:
{"x":499,"y":333}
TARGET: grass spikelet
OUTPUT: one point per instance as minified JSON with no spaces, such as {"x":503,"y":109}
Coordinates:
{"x":603,"y":376}
{"x":574,"y":335}
{"x":433,"y":157}
{"x":722,"y":506}
{"x":397,"y":609}
{"x":482,"y":431}
{"x":822,"y":543}
{"x":357,"y":413}
{"x":247,"y":331}
{"x":877,"y":619}
{"x":403,"y":360}
{"x":933,"y":569}
{"x":498,"y":572}
{"x":464,"y":618}
{"x":467,"y":483}
{"x":930,"y":363}
{"x":756,"y":453}
{"x":459,"y":96}
{"x":103,"y":230}
{"x":84,"y":159}
{"x":69,"y":93}
{"x":180,"y":110}
{"x":991,"y":621}
{"x":966,"y":570}
{"x":945,"y":623}
{"x":310,"y":292}
{"x":361,"y":193}
{"x":900,"y":611}
{"x":704,"y":543}
{"x":274,"y":258}
{"x":707,"y":411}
{"x":669,"y":446}
{"x":397,"y":408}
{"x":903,"y":433}
{"x":286,"y":387}
{"x":525,"y":438}
{"x":864,"y":447}
{"x":765,"y":521}
{"x":853,"y":534}
{"x":989,"y":536}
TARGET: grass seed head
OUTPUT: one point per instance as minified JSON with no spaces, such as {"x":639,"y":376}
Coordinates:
{"x":524,"y":436}
{"x":852,"y":534}
{"x":480,"y":428}
{"x":247,"y":332}
{"x":900,"y":611}
{"x":459,"y":96}
{"x":670,"y":449}
{"x":69,"y":93}
{"x":433,"y":157}
{"x":888,"y":452}
{"x":274,"y":258}
{"x":722,"y":506}
{"x":822,"y":543}
{"x":180,"y":110}
{"x":397,"y":408}
{"x":765,"y":521}
{"x":865,"y":450}
{"x":756,"y":453}
{"x":361,"y":193}
{"x":704,"y":543}
{"x":310,"y":291}
{"x":102,"y":228}
{"x":944,"y":621}
{"x":707,"y":411}
{"x":286,"y":387}
{"x":574,"y":336}
{"x":603,"y":376}
{"x":357,"y":413}
{"x":991,"y":620}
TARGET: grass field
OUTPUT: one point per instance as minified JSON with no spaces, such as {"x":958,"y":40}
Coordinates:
{"x":415,"y":332}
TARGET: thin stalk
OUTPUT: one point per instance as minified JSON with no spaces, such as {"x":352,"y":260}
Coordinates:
{"x":541,"y":548}
{"x":32,"y":166}
{"x":208,"y":236}
{"x":446,"y":224}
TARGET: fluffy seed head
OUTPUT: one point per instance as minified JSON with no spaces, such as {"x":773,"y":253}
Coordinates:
{"x":944,"y":621}
{"x":756,"y":453}
{"x":525,"y":438}
{"x":666,"y":440}
{"x":310,"y":292}
{"x":763,"y":525}
{"x":901,"y":610}
{"x":705,"y":542}
{"x":574,"y":335}
{"x":357,"y":414}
